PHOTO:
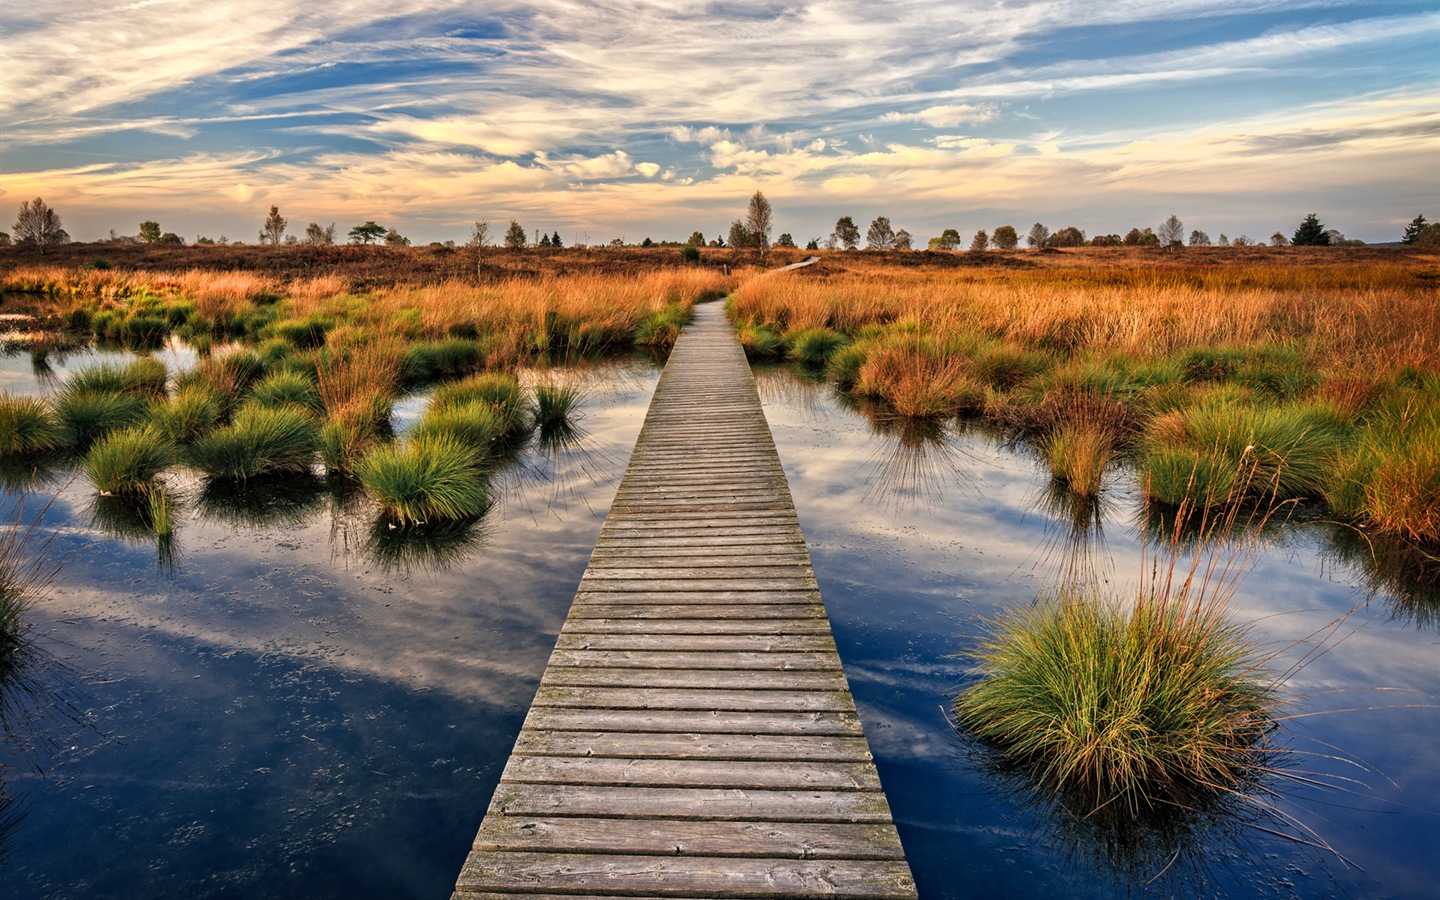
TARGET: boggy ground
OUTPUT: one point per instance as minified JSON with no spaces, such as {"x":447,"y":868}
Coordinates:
{"x":1263,"y":374}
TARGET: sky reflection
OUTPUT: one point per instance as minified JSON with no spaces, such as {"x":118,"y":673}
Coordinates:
{"x":911,"y":581}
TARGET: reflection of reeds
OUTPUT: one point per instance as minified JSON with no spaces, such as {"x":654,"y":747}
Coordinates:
{"x":1148,"y":711}
{"x":914,"y":461}
{"x":1078,"y":547}
{"x":1404,"y":574}
{"x":264,"y":502}
{"x":435,"y":547}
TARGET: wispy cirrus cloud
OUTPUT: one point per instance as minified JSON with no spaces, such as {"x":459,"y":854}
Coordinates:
{"x":590,"y":114}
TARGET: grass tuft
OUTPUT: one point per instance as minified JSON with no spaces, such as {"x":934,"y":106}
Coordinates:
{"x":288,"y":389}
{"x":554,"y":405}
{"x":1142,"y":705}
{"x":433,"y":479}
{"x":260,"y":441}
{"x":126,"y":462}
{"x":28,"y":426}
{"x":815,"y":346}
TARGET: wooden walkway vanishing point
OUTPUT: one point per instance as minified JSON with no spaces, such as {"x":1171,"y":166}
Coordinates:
{"x":693,"y":734}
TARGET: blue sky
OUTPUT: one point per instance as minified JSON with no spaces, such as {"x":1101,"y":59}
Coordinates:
{"x":633,"y":119}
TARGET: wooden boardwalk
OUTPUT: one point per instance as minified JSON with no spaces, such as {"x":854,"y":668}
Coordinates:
{"x":693,"y":734}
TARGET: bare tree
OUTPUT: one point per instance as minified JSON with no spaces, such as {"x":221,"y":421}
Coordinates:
{"x":903,"y":240}
{"x":38,"y":226}
{"x":1199,"y":238}
{"x":1038,"y":235}
{"x":274,"y":229}
{"x":314,"y":234}
{"x":880,"y":236}
{"x":759,"y":219}
{"x":1171,"y":231}
{"x":479,"y":235}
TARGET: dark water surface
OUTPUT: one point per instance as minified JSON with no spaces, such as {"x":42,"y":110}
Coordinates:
{"x":286,"y":701}
{"x":921,"y":536}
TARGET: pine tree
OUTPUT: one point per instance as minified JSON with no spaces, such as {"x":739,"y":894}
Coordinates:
{"x":1311,"y":233}
{"x":555,"y":240}
{"x":1412,"y":231}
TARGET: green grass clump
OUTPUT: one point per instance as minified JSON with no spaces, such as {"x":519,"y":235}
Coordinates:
{"x":452,"y":357}
{"x":474,"y":424}
{"x":352,"y":430}
{"x":434,"y":479}
{"x":260,"y":441}
{"x":144,"y":377}
{"x":554,"y":405}
{"x":288,"y":389}
{"x":1142,"y":705}
{"x":87,"y":416}
{"x":662,"y":328}
{"x":761,"y":341}
{"x":126,"y":462}
{"x":187,"y":415}
{"x":815,"y":346}
{"x":1078,"y":454}
{"x":1278,"y":451}
{"x":1391,"y":479}
{"x":843,"y":366}
{"x":28,"y":426}
{"x":306,"y":333}
{"x":500,"y":391}
{"x":226,"y":378}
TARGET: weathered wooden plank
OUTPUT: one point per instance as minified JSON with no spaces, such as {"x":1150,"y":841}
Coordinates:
{"x":693,"y":745}
{"x":693,"y":734}
{"x":577,"y":625}
{"x":697,"y":643}
{"x":701,"y":699}
{"x":653,"y":573}
{"x":670,"y":837}
{"x":715,"y":679}
{"x":763,"y":597}
{"x":682,"y":721}
{"x":713,"y":804}
{"x":722,"y":878}
{"x":595,"y":608}
{"x":699,"y":584}
{"x":697,"y":659}
{"x":692,"y":773}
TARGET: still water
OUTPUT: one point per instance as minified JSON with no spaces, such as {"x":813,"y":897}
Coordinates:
{"x":286,"y":700}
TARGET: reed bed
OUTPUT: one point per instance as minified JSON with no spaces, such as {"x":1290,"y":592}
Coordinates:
{"x":1211,"y":375}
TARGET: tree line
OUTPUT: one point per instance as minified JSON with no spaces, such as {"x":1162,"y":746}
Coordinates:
{"x":38,"y":226}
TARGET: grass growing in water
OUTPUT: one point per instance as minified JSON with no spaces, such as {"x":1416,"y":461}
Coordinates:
{"x":189,"y":414}
{"x":554,"y":405}
{"x":88,"y":415}
{"x":260,"y":441}
{"x":27,"y":426}
{"x":815,"y":346}
{"x":126,"y":462}
{"x":434,"y":479}
{"x":1143,"y":705}
{"x":288,"y":389}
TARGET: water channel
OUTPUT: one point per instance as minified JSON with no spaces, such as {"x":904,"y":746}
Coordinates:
{"x":286,"y":699}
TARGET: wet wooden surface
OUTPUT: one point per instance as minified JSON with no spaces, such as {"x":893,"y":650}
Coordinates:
{"x":693,"y":734}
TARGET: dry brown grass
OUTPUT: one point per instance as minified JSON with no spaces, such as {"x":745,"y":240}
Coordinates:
{"x":1355,"y":319}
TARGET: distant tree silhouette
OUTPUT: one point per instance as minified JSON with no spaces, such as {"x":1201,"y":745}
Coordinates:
{"x":368,"y":233}
{"x":1311,"y":233}
{"x":880,"y":236}
{"x":1412,"y":231}
{"x":1038,"y":235}
{"x":980,"y":242}
{"x":150,"y":232}
{"x":274,"y":228}
{"x":515,"y":236}
{"x":37,"y":225}
{"x":847,"y":233}
{"x":1171,"y":231}
{"x":1005,"y":238}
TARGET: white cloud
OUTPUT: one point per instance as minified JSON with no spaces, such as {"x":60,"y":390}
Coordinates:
{"x":949,"y":116}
